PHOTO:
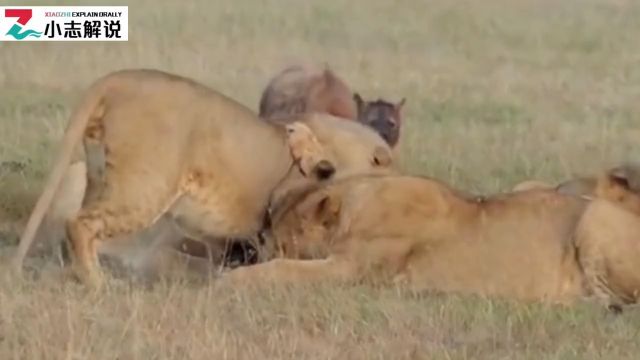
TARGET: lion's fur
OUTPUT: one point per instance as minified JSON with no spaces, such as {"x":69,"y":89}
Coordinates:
{"x":307,"y":88}
{"x":422,"y":232}
{"x":580,"y":186}
{"x":175,"y":147}
{"x":607,"y":237}
{"x":532,"y":185}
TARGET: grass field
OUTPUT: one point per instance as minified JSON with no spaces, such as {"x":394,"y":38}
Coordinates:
{"x":497,"y":91}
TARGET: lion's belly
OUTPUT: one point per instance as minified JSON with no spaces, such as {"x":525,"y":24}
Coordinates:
{"x":467,"y":273}
{"x":220,"y":214}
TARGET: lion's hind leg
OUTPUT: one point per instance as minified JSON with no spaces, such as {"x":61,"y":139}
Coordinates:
{"x":96,"y":163}
{"x":122,"y":211}
{"x":88,"y":185}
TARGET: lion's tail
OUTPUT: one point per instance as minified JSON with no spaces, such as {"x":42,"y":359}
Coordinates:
{"x":74,"y":132}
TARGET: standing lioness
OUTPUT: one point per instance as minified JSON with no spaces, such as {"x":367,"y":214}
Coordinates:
{"x":159,"y":144}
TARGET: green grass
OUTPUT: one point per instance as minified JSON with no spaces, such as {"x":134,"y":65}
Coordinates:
{"x":497,"y":92}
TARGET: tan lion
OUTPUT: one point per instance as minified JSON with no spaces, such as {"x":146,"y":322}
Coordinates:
{"x":148,"y":256}
{"x":423,"y":233}
{"x":160,"y":145}
{"x":608,"y":239}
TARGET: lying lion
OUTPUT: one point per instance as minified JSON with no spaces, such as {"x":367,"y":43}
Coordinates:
{"x":160,"y":146}
{"x":421,"y":232}
{"x":533,"y":245}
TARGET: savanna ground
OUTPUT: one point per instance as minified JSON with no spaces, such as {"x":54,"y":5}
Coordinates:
{"x":498,"y":91}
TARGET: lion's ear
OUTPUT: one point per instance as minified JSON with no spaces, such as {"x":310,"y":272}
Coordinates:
{"x":619,"y":177}
{"x":328,"y":210}
{"x":321,"y":207}
{"x":299,"y":141}
{"x":382,"y":156}
{"x":307,"y":151}
{"x":626,"y":176}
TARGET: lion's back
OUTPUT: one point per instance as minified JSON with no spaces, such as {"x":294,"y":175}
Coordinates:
{"x":511,"y":244}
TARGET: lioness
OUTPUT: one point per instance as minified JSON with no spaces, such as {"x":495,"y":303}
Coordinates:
{"x":148,"y":257}
{"x":608,"y":240}
{"x":424,"y":233}
{"x":175,"y":148}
